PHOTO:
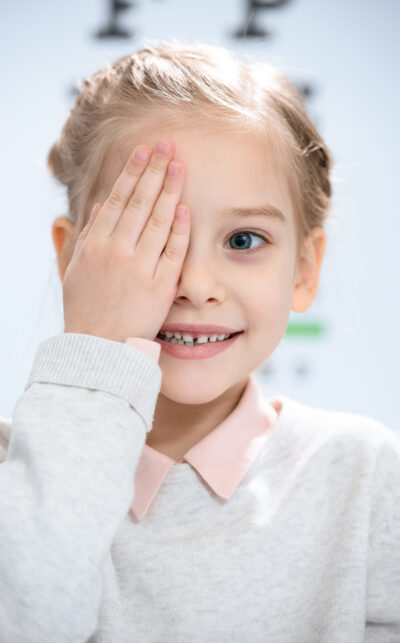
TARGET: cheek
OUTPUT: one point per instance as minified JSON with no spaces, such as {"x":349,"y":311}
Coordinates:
{"x":269,"y":302}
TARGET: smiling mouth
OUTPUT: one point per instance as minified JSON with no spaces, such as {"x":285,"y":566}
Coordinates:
{"x":195,"y":340}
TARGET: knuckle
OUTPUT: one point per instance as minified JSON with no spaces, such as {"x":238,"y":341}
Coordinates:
{"x":134,"y":169}
{"x":139,"y":201}
{"x":170,"y":187}
{"x":173,"y":254}
{"x":154,"y":170}
{"x":157,"y":221}
{"x":115,"y":199}
{"x":181,"y":232}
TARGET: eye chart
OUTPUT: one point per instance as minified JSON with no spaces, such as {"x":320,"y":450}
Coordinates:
{"x":343,"y":353}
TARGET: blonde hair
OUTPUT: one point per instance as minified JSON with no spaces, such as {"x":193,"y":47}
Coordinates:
{"x":176,"y":83}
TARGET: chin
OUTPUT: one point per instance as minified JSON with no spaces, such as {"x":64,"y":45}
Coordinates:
{"x":191,"y":392}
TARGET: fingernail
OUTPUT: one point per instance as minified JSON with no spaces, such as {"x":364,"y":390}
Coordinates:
{"x":174,"y":169}
{"x":142,"y":154}
{"x":163,"y":147}
{"x":181,"y":212}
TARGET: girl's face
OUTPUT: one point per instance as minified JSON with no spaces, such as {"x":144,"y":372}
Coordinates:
{"x":221,"y":281}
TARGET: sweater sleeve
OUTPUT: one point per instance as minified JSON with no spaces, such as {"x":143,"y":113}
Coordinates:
{"x":383,"y":590}
{"x":67,"y":482}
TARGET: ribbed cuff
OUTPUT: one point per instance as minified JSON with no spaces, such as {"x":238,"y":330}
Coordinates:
{"x":88,"y":361}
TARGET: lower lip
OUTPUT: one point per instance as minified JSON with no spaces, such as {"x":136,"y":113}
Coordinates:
{"x":196,"y":352}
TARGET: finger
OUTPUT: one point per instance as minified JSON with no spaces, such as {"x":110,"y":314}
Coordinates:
{"x":86,"y":228}
{"x":141,"y":203}
{"x":170,"y":264}
{"x":122,"y":189}
{"x":158,"y":228}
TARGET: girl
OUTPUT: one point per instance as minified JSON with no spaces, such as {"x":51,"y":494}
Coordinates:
{"x":150,"y":491}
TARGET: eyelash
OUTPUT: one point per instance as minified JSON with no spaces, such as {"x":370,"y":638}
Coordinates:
{"x":255,"y":234}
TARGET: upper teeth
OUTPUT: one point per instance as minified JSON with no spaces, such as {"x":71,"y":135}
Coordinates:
{"x":201,"y":339}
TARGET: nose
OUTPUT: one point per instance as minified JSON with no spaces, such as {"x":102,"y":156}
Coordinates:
{"x":199,"y":282}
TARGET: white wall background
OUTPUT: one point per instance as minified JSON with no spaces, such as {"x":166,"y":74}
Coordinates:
{"x":348,"y":51}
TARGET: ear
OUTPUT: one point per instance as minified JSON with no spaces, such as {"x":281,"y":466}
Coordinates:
{"x":308,"y":271}
{"x":62,"y":233}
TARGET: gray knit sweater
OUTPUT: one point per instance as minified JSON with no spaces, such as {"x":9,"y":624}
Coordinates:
{"x":307,"y":550}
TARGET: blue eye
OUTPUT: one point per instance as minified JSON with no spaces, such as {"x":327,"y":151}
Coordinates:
{"x":242,"y":234}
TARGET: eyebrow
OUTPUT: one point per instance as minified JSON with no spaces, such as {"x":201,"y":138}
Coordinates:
{"x":268,"y":211}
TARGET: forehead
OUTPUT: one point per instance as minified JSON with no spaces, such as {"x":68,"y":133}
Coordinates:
{"x":222,"y":167}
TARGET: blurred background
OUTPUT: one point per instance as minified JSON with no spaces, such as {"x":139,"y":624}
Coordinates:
{"x":344,"y":353}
